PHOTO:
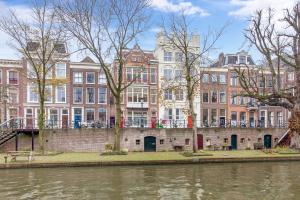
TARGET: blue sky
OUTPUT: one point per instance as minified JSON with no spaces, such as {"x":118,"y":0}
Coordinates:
{"x":204,"y":13}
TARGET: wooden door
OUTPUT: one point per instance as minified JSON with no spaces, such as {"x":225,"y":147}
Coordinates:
{"x":200,"y":141}
{"x":65,"y":120}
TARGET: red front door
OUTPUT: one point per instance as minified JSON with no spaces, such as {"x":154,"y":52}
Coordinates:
{"x":65,"y":120}
{"x":200,"y":141}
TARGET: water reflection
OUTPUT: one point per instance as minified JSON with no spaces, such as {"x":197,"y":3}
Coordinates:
{"x":221,"y":181}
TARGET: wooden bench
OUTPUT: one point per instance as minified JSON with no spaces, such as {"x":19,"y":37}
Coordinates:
{"x":15,"y":154}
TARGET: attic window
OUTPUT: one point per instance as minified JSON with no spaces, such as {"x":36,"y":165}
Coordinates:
{"x":60,"y":48}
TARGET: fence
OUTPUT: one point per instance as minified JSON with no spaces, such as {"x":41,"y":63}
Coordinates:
{"x":31,"y":123}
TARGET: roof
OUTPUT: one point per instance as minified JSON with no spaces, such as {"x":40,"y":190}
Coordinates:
{"x":87,"y":60}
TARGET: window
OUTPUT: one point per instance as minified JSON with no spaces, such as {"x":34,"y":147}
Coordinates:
{"x":137,"y":142}
{"x":170,"y":113}
{"x":205,"y":78}
{"x":167,"y":56}
{"x":134,"y":94}
{"x":242,"y":100}
{"x":60,"y":70}
{"x":187,"y":141}
{"x":233,"y":79}
{"x":90,"y":95}
{"x":243,"y":117}
{"x":233,"y":118}
{"x":168,"y":74}
{"x":291,"y":76}
{"x":136,"y":74}
{"x":242,"y":59}
{"x":233,"y":98}
{"x":214,"y":78}
{"x":32,"y":95}
{"x":13,"y":96}
{"x":161,"y":141}
{"x":153,"y":96}
{"x":222,"y":97}
{"x":178,"y":57}
{"x":222,"y":78}
{"x":53,"y":117}
{"x":61,"y":94}
{"x":137,"y":118}
{"x":179,"y":94}
{"x":102,"y":97}
{"x":90,"y":77}
{"x":178,"y":74}
{"x":214,"y":97}
{"x":48,"y":71}
{"x":48,"y":94}
{"x":205,"y":117}
{"x":13,"y":77}
{"x":205,"y":97}
{"x":153,"y":76}
{"x":77,"y":95}
{"x":78,"y":77}
{"x":90,"y":115}
{"x":279,"y":119}
{"x":102,"y":79}
{"x":102,"y":115}
{"x":179,"y":114}
{"x":270,"y":82}
{"x":214,"y":117}
{"x":168,"y":94}
{"x":262,"y":82}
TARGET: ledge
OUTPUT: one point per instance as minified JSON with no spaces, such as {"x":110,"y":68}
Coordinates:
{"x":148,"y":162}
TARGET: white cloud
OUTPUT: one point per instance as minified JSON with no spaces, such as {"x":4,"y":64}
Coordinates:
{"x":181,"y":5}
{"x":248,"y":7}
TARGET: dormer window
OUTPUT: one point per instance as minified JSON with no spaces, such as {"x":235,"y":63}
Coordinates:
{"x":242,"y":59}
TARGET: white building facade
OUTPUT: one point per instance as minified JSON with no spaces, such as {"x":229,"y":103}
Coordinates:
{"x":173,"y":105}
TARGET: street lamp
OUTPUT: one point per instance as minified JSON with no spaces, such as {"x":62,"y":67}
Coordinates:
{"x":142,"y":106}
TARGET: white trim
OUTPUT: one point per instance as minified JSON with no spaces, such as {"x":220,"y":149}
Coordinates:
{"x":86,"y":78}
{"x":65,"y":66}
{"x":7,"y":76}
{"x":99,"y":96}
{"x":56,"y":95}
{"x":86,"y":95}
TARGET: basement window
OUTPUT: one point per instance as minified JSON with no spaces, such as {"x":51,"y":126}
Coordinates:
{"x":242,"y":140}
{"x":137,"y":142}
{"x":161,"y":141}
{"x":187,"y":141}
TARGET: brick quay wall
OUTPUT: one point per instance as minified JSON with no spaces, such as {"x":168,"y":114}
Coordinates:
{"x":134,"y":139}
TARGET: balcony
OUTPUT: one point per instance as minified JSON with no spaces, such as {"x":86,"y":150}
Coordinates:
{"x":252,"y":107}
{"x":137,"y":105}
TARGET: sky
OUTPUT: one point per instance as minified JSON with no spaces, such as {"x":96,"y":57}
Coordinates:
{"x":205,"y":15}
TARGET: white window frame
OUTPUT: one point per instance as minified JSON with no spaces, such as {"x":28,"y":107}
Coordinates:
{"x":28,"y":94}
{"x":99,"y":95}
{"x":73,"y":93}
{"x":65,"y":70}
{"x":86,"y":94}
{"x":86,"y":77}
{"x":56,"y":94}
{"x":102,"y":80}
{"x":18,"y":77}
{"x":74,"y":77}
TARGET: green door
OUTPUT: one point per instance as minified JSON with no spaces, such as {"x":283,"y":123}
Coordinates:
{"x":234,"y":142}
{"x":268,"y":141}
{"x":150,"y":143}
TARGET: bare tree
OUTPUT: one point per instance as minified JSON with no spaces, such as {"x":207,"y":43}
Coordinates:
{"x":190,"y":56}
{"x":281,"y":53}
{"x":41,"y":42}
{"x":105,"y":28}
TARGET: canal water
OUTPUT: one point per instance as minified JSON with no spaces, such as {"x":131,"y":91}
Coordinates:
{"x":259,"y":181}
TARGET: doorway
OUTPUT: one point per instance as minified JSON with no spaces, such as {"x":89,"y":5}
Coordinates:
{"x":200,"y":141}
{"x":233,"y":142}
{"x":268,"y":141}
{"x":150,"y":144}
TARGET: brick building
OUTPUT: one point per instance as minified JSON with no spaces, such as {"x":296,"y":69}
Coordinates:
{"x":140,"y":99}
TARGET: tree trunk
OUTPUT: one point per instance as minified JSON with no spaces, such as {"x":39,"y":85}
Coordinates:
{"x":192,"y":113}
{"x":294,"y":122}
{"x":117,"y":141}
{"x":41,"y":125}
